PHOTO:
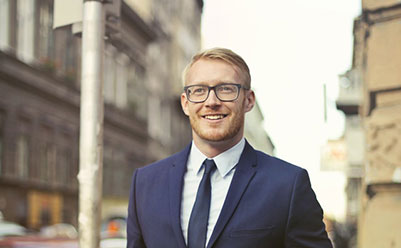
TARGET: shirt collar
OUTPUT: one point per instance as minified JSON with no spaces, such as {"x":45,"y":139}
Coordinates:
{"x":225,"y":161}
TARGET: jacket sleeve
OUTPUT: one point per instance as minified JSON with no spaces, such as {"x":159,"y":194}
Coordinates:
{"x":134,"y":233}
{"x":305,"y":227}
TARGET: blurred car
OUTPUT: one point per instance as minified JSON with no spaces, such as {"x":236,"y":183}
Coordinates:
{"x":113,"y":243}
{"x":60,"y":230}
{"x":114,"y":232}
{"x":113,"y":235}
{"x":13,"y":235}
{"x":114,"y":227}
{"x":10,"y":228}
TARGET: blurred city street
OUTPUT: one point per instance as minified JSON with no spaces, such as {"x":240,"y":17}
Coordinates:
{"x":137,"y":118}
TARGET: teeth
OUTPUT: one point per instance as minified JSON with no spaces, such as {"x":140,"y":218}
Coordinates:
{"x":214,"y":117}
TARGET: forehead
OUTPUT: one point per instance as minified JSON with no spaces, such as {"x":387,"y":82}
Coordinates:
{"x":211,"y":72}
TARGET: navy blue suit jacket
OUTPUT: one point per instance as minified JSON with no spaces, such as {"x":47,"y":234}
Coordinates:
{"x":270,"y":204}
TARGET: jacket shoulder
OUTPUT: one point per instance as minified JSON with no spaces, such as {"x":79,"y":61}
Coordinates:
{"x":271,"y":163}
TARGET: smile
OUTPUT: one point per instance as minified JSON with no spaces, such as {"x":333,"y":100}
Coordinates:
{"x":214,"y":117}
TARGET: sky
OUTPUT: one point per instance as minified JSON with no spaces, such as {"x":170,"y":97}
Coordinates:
{"x":293,"y":48}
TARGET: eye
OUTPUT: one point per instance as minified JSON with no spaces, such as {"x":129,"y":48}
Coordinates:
{"x":226,"y":89}
{"x":197,"y":90}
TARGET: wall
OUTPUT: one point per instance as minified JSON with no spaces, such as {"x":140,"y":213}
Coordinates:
{"x":377,"y":55}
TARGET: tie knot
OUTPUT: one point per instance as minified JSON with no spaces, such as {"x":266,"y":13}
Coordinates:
{"x":209,"y":165}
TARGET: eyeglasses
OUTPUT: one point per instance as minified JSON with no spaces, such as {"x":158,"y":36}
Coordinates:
{"x":225,"y":92}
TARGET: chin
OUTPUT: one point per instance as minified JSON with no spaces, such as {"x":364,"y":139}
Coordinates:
{"x":216,"y":137}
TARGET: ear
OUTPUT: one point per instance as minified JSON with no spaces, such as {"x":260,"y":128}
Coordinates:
{"x":249,"y":100}
{"x":184,"y":103}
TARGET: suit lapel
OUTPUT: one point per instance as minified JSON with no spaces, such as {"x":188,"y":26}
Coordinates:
{"x":176,"y":178}
{"x":244,"y":172}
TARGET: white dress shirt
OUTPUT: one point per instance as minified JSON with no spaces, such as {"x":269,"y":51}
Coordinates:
{"x":220,"y":182}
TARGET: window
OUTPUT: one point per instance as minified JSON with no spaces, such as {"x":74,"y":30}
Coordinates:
{"x":25,"y":30}
{"x":22,"y":147}
{"x":4,"y":24}
{"x":108,"y":170}
{"x":47,"y":163}
{"x":1,"y":142}
{"x":109,"y":73}
{"x":115,"y":172}
{"x":43,"y":165}
{"x":107,"y":178}
{"x":159,"y":119}
{"x":1,"y":153}
{"x":115,"y":77}
{"x":154,"y":118}
{"x":51,"y":156}
{"x":22,"y":156}
{"x":137,"y":91}
{"x":45,"y":29}
{"x":73,"y":179}
{"x":64,"y":167}
{"x":72,"y":60}
{"x":121,"y":80}
{"x":66,"y":54}
{"x":45,"y":35}
{"x":166,"y":117}
{"x":47,"y":153}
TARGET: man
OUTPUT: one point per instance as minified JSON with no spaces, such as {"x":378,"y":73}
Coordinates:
{"x":219,"y":192}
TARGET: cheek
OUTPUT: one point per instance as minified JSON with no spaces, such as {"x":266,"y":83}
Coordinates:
{"x":240,"y":107}
{"x":195,"y":108}
{"x":191,"y":110}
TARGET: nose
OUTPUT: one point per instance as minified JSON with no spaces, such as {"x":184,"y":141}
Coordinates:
{"x":212,"y":99}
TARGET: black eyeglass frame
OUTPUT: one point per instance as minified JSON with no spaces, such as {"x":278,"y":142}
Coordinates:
{"x":239,"y":86}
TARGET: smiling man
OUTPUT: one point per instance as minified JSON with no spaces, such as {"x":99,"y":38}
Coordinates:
{"x":219,"y":192}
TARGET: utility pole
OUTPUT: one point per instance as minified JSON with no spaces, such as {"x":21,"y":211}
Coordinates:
{"x":91,"y":130}
{"x":94,"y":19}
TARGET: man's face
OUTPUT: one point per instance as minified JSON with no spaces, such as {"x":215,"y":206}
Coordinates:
{"x":214,"y":120}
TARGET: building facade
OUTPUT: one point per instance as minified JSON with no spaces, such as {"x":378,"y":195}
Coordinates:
{"x":40,"y":103}
{"x":376,"y":64}
{"x":349,"y":102}
{"x":255,"y":133}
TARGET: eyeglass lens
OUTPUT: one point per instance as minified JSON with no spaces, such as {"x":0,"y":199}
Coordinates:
{"x":224,"y":92}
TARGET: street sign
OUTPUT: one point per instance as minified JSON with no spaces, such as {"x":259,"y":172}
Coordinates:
{"x":70,"y":13}
{"x":67,"y":12}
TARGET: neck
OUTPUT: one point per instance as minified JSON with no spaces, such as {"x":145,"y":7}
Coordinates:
{"x":213,"y":148}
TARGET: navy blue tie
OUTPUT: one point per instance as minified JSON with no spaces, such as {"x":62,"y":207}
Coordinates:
{"x":197,"y":228}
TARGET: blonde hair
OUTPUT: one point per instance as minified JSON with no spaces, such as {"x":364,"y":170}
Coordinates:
{"x":225,"y":55}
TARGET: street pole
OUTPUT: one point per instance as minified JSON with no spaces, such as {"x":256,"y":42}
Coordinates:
{"x":91,"y":125}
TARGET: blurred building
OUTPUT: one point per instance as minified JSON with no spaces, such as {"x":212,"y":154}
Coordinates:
{"x":255,"y":133}
{"x":375,"y":108}
{"x":40,"y":99}
{"x":349,"y":101}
